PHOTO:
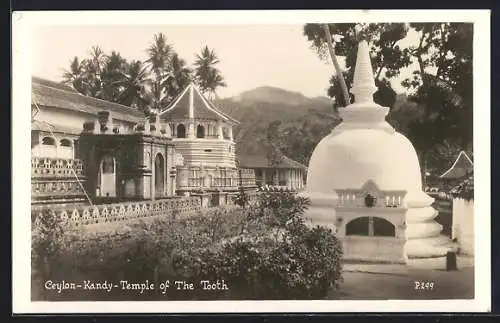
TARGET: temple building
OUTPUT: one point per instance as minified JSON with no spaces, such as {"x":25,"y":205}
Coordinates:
{"x":285,"y":174}
{"x":203,"y":135}
{"x":85,"y":148}
{"x":364,"y":181}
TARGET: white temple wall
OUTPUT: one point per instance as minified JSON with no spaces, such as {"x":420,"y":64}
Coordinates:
{"x":463,"y":225}
{"x":71,"y":119}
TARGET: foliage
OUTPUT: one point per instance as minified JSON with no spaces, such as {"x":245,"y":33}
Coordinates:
{"x":387,"y":56}
{"x":440,"y":100}
{"x":241,"y":199}
{"x":148,"y":86}
{"x":266,"y":252}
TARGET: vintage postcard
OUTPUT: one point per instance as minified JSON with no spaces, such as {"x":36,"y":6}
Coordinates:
{"x":260,"y":161}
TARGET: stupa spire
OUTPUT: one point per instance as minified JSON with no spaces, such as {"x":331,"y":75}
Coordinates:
{"x":364,"y":112}
{"x":364,"y":84}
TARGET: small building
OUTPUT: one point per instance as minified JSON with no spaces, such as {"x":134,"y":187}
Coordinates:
{"x":285,"y":173}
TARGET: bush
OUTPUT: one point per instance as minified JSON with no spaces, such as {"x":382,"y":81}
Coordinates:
{"x":264,"y":252}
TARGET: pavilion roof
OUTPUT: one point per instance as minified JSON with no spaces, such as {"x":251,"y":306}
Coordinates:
{"x":192,"y":104}
{"x":462,"y":167}
{"x":262,"y":161}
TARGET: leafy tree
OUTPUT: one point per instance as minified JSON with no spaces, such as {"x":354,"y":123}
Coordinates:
{"x":440,"y":89}
{"x":445,"y":96}
{"x":206,"y":75}
{"x":387,"y":56}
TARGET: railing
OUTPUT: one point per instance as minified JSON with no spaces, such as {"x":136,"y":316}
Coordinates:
{"x":55,"y":167}
{"x":85,"y":215}
{"x":200,"y":182}
{"x":224,"y":182}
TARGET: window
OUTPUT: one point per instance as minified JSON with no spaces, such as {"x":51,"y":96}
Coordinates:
{"x":108,"y":165}
{"x":383,"y":228}
{"x":65,"y":143}
{"x":181,"y":131}
{"x":358,"y":227}
{"x":48,"y":141}
{"x":370,"y":226}
{"x":225,"y":133}
{"x":200,"y":131}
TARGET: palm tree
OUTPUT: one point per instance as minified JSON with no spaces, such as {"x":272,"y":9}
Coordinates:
{"x":181,"y":76}
{"x":93,"y":71}
{"x":113,"y":76}
{"x":208,"y":77}
{"x":74,"y":76}
{"x":135,"y":81}
{"x":159,"y":53}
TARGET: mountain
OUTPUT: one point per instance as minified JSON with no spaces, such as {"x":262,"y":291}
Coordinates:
{"x":269,"y":94}
{"x":256,"y":109}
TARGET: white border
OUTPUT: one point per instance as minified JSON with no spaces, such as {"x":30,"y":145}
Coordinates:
{"x":23,"y":22}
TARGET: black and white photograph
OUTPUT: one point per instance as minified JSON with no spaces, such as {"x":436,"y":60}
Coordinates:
{"x":327,"y":159}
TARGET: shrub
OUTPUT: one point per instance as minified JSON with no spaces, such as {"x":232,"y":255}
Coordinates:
{"x":264,"y":252}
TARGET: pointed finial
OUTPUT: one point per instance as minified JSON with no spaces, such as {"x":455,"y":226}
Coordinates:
{"x":364,"y":84}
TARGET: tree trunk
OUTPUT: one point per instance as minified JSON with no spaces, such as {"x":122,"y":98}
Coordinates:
{"x":345,"y":91}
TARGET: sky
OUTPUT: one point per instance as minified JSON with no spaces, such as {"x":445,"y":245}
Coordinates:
{"x":250,"y":55}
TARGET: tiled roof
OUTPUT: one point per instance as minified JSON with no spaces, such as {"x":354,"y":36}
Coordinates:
{"x":261,"y":161}
{"x":201,"y":108}
{"x":51,"y":94}
{"x":462,"y":166}
{"x":56,"y":85}
{"x":44,"y":126}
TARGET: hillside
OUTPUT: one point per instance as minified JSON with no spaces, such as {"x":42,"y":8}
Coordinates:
{"x":257,"y":108}
{"x":303,"y":121}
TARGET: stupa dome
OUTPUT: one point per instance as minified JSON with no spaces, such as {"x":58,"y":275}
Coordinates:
{"x":349,"y":158}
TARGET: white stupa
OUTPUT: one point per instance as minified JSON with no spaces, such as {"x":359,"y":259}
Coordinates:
{"x":364,"y":181}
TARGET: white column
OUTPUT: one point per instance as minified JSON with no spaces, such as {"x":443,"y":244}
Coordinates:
{"x":191,"y":133}
{"x":231,"y":133}
{"x":219,"y":131}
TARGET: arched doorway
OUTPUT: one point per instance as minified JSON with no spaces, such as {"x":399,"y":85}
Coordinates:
{"x":200,"y":131}
{"x":107,"y":171}
{"x":159,"y":175}
{"x":181,"y":131}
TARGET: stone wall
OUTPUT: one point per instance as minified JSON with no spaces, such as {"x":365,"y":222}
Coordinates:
{"x":105,"y":213}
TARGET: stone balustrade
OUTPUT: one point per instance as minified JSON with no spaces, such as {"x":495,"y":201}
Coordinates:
{"x":216,"y":182}
{"x":85,"y":214}
{"x":390,"y":200}
{"x":55,"y":167}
